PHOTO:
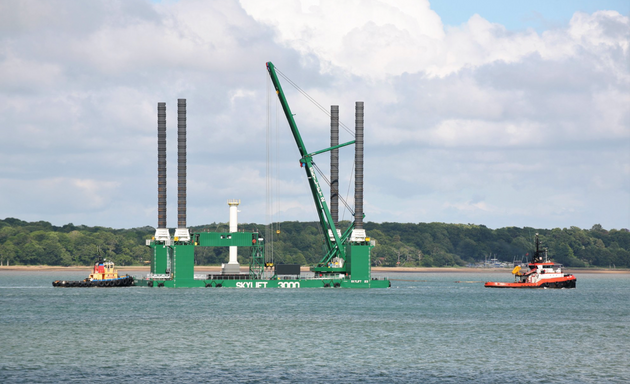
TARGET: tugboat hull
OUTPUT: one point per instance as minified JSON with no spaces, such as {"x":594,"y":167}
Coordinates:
{"x":125,"y":281}
{"x":565,"y":283}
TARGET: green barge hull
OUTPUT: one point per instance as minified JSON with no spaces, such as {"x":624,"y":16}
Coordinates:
{"x":261,"y":284}
{"x":172,"y":266}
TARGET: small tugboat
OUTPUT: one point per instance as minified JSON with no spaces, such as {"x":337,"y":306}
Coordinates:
{"x":103,"y":275}
{"x":542,"y":274}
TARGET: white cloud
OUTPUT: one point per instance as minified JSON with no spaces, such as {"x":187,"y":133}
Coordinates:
{"x":473,"y":123}
{"x":70,"y":195}
{"x":21,"y":75}
{"x":376,"y":39}
{"x":363,"y":37}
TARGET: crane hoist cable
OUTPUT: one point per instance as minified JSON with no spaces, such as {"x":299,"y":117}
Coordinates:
{"x":312,"y":100}
{"x":345,"y":203}
{"x":325,"y":111}
{"x":348,"y":192}
{"x":269,"y":204}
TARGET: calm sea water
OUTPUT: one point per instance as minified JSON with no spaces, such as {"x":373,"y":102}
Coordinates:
{"x":432,"y":329}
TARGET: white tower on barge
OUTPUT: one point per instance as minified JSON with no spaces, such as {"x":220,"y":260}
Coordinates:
{"x":232,"y":266}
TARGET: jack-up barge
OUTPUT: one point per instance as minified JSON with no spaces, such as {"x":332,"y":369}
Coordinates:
{"x":346,"y":263}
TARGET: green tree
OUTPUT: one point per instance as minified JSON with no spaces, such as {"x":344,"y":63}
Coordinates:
{"x":8,"y":252}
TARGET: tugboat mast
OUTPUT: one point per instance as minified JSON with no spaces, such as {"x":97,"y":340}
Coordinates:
{"x":538,"y":255}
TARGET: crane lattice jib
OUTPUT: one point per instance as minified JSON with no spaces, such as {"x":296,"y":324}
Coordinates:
{"x":335,"y":248}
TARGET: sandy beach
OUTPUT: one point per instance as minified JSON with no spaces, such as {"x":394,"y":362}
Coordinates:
{"x":212,"y":268}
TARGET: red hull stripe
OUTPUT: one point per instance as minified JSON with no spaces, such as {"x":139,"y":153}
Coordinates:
{"x":539,"y":284}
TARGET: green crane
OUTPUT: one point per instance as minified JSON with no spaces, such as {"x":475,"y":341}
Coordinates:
{"x":334,"y":242}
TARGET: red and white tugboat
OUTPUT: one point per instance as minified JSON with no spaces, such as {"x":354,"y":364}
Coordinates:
{"x":542,"y":274}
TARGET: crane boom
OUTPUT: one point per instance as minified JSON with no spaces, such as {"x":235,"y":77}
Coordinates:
{"x":333,"y":240}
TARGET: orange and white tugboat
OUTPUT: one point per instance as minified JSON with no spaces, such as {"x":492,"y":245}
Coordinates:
{"x":542,"y":274}
{"x":103,"y":275}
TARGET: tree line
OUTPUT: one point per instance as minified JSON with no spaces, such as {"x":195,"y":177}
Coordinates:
{"x":397,"y":244}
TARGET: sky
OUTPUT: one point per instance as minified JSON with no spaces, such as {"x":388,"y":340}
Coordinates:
{"x":485,"y":112}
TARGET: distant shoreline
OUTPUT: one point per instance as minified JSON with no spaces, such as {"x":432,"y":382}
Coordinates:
{"x":210,"y":268}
